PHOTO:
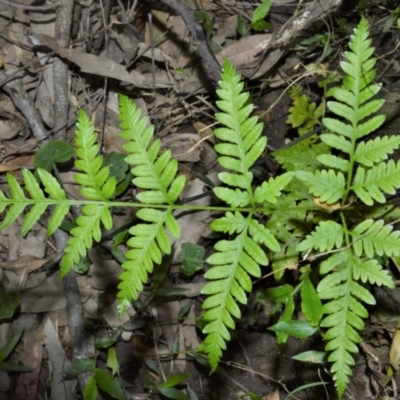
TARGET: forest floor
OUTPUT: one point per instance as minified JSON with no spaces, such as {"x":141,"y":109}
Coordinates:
{"x":55,"y":60}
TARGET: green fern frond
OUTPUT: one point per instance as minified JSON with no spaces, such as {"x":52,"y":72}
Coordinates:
{"x":82,"y":236}
{"x":94,"y":179}
{"x":236,"y":198}
{"x":344,"y":317}
{"x":327,"y":235}
{"x":302,"y":156}
{"x":241,"y":141}
{"x":54,"y":190}
{"x":372,"y":184}
{"x":376,"y":150}
{"x":370,"y":271}
{"x":373,"y":237}
{"x":37,"y":200}
{"x":97,"y":186}
{"x":358,"y":168}
{"x":344,"y":310}
{"x":235,"y":260}
{"x":270,"y":190}
{"x":325,"y":184}
{"x":17,"y":200}
{"x":303,"y":114}
{"x":155,"y":173}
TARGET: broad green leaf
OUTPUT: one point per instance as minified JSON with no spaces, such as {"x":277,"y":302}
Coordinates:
{"x":6,"y":350}
{"x":106,"y":382}
{"x":192,"y":257}
{"x":90,"y":392}
{"x":56,"y":151}
{"x":298,"y":329}
{"x":310,"y":302}
{"x":261,"y":11}
{"x":79,"y":366}
{"x":312,"y":356}
{"x":112,"y":360}
{"x":174,"y":380}
{"x":173,"y":393}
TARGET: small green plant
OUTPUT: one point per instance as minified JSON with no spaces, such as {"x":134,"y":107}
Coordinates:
{"x":303,"y":115}
{"x":327,"y":211}
{"x":258,"y":22}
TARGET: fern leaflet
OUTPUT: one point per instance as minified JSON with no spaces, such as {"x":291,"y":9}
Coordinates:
{"x":156,"y":175}
{"x":96,"y":185}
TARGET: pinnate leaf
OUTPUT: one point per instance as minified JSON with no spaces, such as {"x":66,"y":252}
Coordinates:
{"x":327,"y":235}
{"x":328,"y":186}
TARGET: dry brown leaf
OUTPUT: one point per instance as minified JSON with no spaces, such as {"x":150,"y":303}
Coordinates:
{"x":184,"y":146}
{"x":92,"y":64}
{"x":243,"y":52}
{"x":31,"y":263}
{"x":8,"y":131}
{"x":328,"y":207}
{"x":272,"y":396}
{"x":60,"y":389}
{"x":6,"y":168}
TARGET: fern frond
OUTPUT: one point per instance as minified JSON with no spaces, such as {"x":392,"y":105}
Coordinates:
{"x":17,"y":202}
{"x":82,"y":236}
{"x":147,"y":244}
{"x":370,"y":271}
{"x":344,"y":317}
{"x":242,"y":143}
{"x":94,"y":179}
{"x":53,"y":188}
{"x":37,"y":200}
{"x":376,"y":150}
{"x":380,"y":179}
{"x":155,"y":173}
{"x":233,"y":262}
{"x":96,"y":185}
{"x":327,"y":235}
{"x":328,"y":186}
{"x":270,"y":190}
{"x":373,"y":237}
{"x":302,"y":156}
